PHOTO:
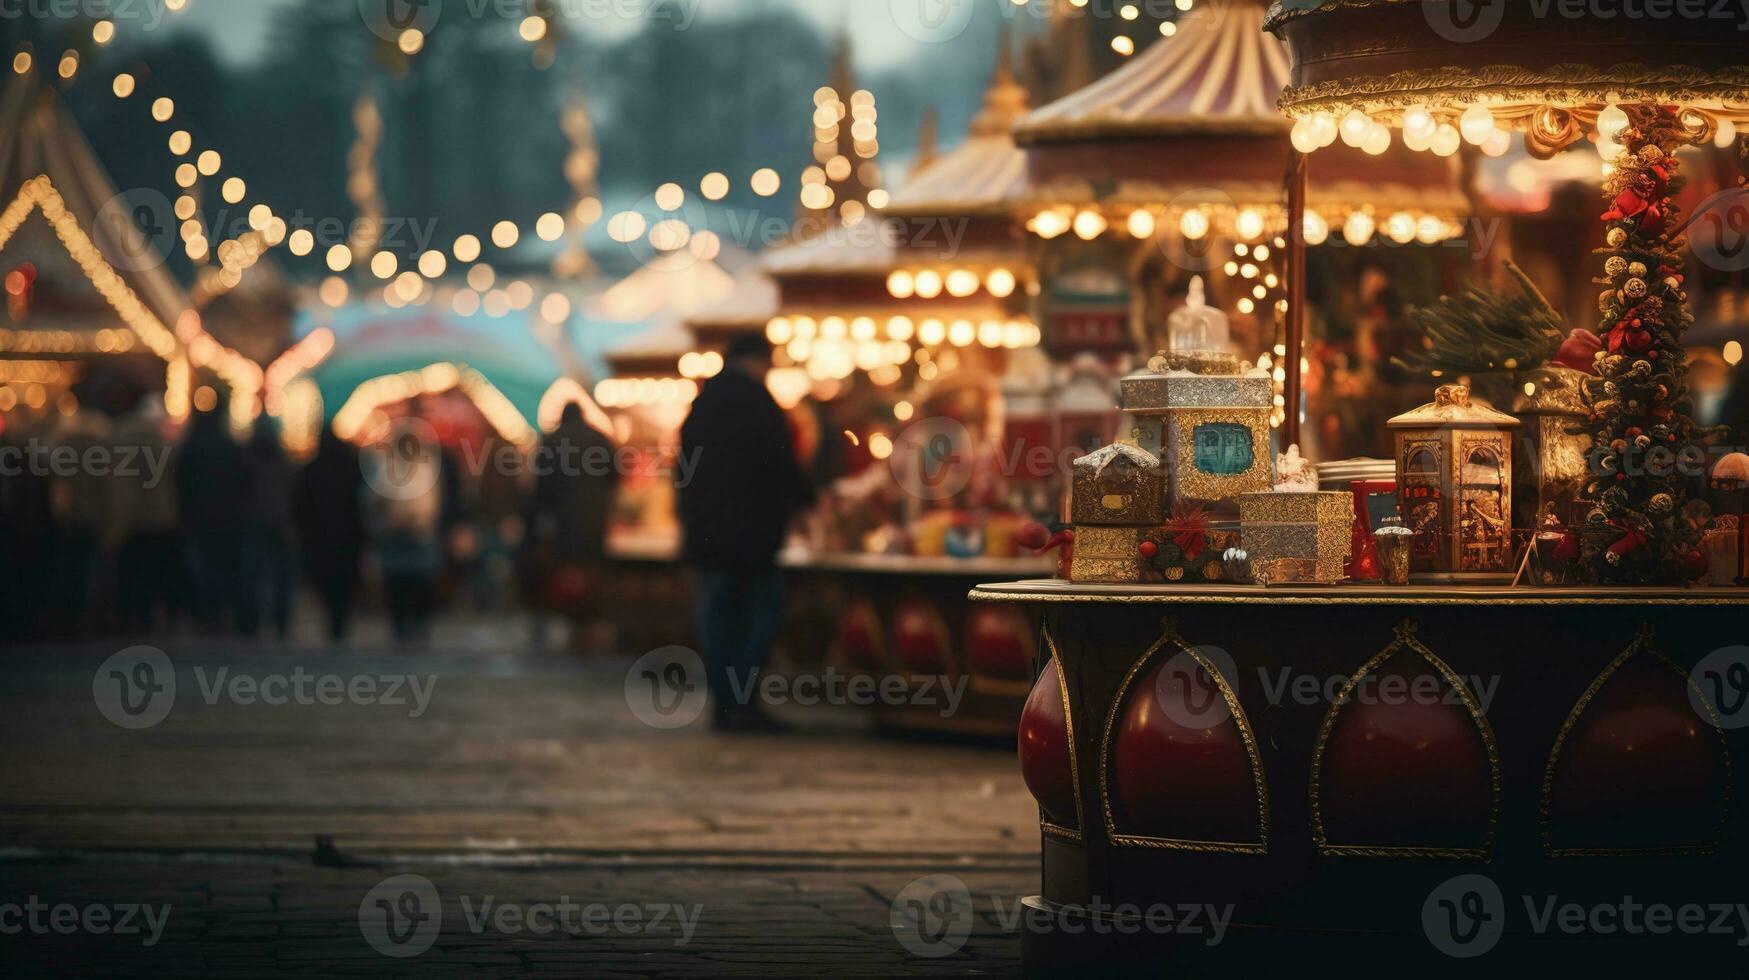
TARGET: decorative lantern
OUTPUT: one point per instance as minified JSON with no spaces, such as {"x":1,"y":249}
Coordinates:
{"x":1454,"y":484}
{"x":1211,"y":431}
{"x":1551,"y":407}
{"x":1731,"y":479}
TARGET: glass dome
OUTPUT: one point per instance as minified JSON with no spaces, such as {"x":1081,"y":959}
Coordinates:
{"x":1196,"y":326}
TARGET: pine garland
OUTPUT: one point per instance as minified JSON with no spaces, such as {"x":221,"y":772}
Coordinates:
{"x":1639,"y":399}
{"x":1481,"y":330}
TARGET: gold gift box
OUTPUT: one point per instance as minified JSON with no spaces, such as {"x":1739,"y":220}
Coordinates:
{"x":1314,"y":529}
{"x":1106,"y":554}
{"x":1119,"y":484}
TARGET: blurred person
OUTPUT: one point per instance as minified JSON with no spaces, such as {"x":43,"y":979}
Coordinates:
{"x":328,"y":510}
{"x":575,"y":480}
{"x":745,"y":487}
{"x":149,"y":570}
{"x":212,"y":493}
{"x":266,"y":555}
{"x":82,"y":504}
{"x":26,"y":538}
{"x":407,"y":519}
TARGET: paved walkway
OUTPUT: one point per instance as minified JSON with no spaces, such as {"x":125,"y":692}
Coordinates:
{"x":549,"y":829}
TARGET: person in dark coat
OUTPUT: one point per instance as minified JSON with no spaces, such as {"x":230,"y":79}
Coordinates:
{"x":267,"y":533}
{"x":739,"y":485}
{"x":328,"y":510}
{"x":212,"y":490}
{"x":575,"y":479}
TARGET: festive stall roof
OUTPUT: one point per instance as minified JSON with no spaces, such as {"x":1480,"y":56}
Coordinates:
{"x":61,"y":207}
{"x":983,"y":176}
{"x":854,"y":250}
{"x":672,"y":284}
{"x":1191,"y":123}
{"x":747,"y":309}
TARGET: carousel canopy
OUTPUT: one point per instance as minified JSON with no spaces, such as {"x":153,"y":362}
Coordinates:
{"x":1191,"y":123}
{"x":60,"y":215}
{"x":372,"y":341}
{"x":1547,"y":69}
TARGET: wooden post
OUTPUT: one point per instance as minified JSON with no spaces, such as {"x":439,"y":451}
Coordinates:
{"x":1296,"y":297}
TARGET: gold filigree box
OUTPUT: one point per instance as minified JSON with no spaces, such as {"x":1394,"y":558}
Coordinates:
{"x":1119,"y":484}
{"x":1211,"y":431}
{"x":1314,"y":529}
{"x":1106,"y":554}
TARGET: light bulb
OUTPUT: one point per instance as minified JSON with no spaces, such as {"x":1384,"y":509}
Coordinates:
{"x":1141,"y":223}
{"x":1611,"y":121}
{"x":1315,"y":229}
{"x":1497,"y":143}
{"x":1417,"y":141}
{"x":1607,"y":147}
{"x":1089,"y":225}
{"x":1324,"y":127}
{"x":1355,"y":127}
{"x":1446,"y":140}
{"x":1304,"y":136}
{"x":1418,"y":121}
{"x":1193,"y":225}
{"x":1400,"y":228}
{"x":1358,"y":229}
{"x":1725,"y":135}
{"x":1249,"y":224}
{"x":1477,"y":124}
{"x":1377,"y":141}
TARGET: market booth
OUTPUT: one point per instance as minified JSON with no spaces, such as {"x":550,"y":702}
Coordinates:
{"x":1415,"y":762}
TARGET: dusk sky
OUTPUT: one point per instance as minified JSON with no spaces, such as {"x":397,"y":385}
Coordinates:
{"x":240,"y":26}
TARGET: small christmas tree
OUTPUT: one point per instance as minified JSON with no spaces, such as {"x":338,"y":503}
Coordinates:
{"x":1639,"y":400}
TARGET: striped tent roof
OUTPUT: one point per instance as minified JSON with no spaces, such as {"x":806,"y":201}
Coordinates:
{"x":1220,"y":71}
{"x":983,"y":175}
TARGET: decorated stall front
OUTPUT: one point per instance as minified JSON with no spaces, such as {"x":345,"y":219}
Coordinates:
{"x":1399,"y":758}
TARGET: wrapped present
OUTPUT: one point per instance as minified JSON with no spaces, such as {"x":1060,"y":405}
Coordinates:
{"x":1104,"y":553}
{"x":1119,"y":484}
{"x":1314,"y":531}
{"x":1210,"y":430}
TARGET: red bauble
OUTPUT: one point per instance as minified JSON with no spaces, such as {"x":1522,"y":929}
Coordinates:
{"x":1149,"y":549}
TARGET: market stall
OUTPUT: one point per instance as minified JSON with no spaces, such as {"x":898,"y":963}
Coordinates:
{"x":1244,"y":715}
{"x":1174,"y":167}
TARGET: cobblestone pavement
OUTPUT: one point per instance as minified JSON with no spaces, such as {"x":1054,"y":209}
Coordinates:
{"x":545,"y":828}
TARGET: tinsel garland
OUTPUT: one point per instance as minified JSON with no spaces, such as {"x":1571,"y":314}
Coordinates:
{"x":1639,"y":400}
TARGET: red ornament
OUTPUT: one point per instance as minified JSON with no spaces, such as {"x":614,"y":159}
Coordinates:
{"x":1149,"y":549}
